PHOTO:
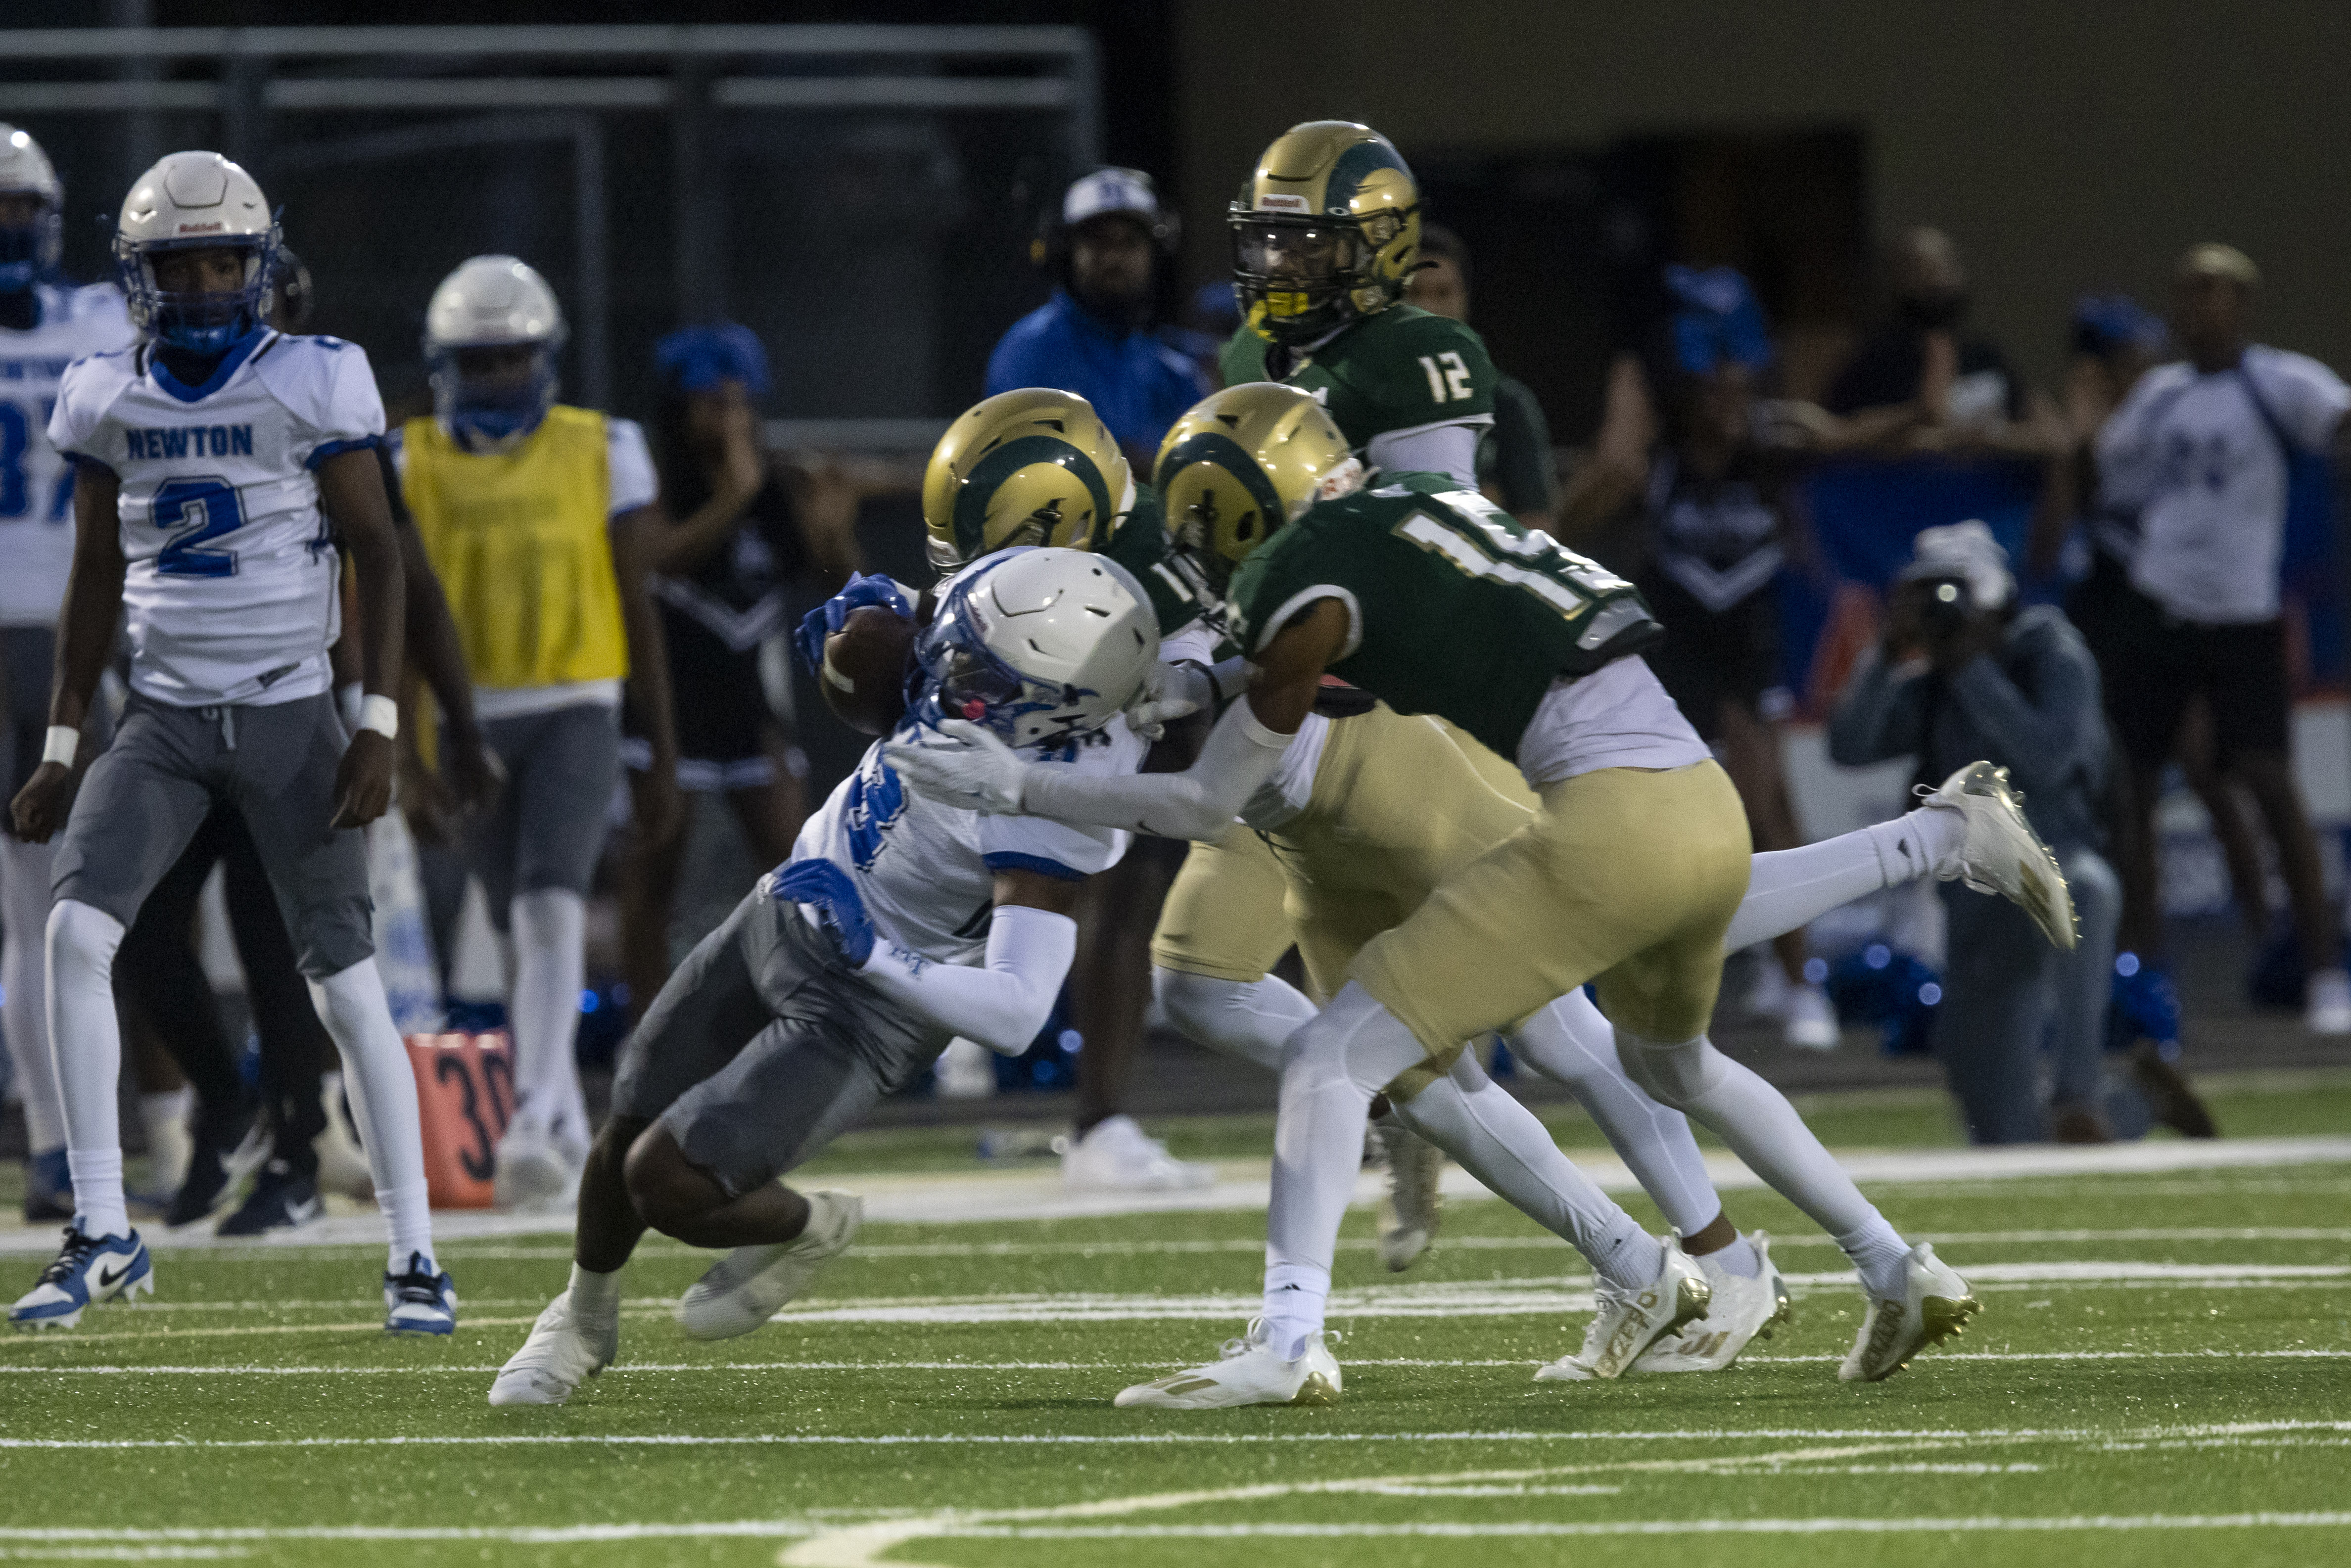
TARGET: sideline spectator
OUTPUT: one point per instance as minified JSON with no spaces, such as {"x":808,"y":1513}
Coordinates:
{"x":1516,"y":466}
{"x":1099,"y":335}
{"x":2114,"y":342}
{"x":1981,"y":402}
{"x":735,"y":534}
{"x":1964,"y":674}
{"x":2201,"y":456}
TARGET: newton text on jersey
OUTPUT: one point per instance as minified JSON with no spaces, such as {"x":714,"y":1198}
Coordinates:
{"x":188,"y":441}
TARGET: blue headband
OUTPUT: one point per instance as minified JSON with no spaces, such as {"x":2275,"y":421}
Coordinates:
{"x":696,"y":358}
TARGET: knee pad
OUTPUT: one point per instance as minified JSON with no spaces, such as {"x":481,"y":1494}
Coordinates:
{"x":83,"y":935}
{"x":1675,"y":1076}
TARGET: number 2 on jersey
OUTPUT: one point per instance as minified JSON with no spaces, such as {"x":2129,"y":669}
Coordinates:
{"x":191,"y":511}
{"x":1448,"y":377}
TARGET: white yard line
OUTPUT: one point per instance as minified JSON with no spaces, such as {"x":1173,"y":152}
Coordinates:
{"x":975,"y":1196}
{"x":740,"y":1368}
{"x":1438,"y":1529}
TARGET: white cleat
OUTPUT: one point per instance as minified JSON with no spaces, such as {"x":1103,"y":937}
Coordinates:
{"x":1739,"y":1312}
{"x":1413,"y":1208}
{"x":1246,"y":1372}
{"x":562,"y":1353}
{"x":1629,"y":1322}
{"x":534,"y":1173}
{"x":744,"y":1288}
{"x":1935,"y":1305}
{"x":1811,"y":1023}
{"x":2002,"y":853}
{"x":1115,"y":1154}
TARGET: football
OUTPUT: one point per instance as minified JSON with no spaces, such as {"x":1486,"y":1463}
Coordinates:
{"x":864,"y":674}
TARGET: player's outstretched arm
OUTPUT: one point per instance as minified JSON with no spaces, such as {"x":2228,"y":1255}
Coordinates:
{"x":351,"y":488}
{"x":85,"y":638}
{"x":977,"y":771}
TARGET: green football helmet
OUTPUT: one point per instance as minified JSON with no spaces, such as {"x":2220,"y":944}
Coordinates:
{"x":1326,"y":230}
{"x":1239,"y":465}
{"x":1031,"y":466}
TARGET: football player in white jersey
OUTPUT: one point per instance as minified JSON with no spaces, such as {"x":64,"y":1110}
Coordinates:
{"x":45,"y":326}
{"x":897,"y":923}
{"x":210,"y":460}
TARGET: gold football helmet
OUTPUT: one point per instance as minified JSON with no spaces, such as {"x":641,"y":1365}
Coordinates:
{"x":1031,"y":466}
{"x":1239,"y":465}
{"x":1325,"y":230}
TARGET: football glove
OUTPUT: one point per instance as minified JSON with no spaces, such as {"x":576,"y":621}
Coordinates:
{"x":869,"y":588}
{"x":825,"y":888}
{"x":964,"y":765}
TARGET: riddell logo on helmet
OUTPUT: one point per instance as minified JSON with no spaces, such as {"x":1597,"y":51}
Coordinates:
{"x":202,"y":228}
{"x":1273,"y":202}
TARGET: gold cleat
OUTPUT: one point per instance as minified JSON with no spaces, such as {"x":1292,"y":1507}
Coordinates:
{"x":2002,"y":855}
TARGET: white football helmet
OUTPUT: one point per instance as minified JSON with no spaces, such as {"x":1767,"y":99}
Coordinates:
{"x":492,"y":302}
{"x":195,"y":201}
{"x":29,"y":250}
{"x":1039,"y":644}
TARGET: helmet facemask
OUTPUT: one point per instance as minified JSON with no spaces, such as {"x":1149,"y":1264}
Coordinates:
{"x":957,"y":675}
{"x":205,"y":323}
{"x":491,"y":396}
{"x":30,"y":243}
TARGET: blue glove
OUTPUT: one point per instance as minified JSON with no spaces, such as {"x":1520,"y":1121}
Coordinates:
{"x":840,"y":911}
{"x":829,"y":617}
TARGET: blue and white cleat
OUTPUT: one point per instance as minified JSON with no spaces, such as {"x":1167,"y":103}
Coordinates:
{"x":89,"y":1269}
{"x":420,"y":1301}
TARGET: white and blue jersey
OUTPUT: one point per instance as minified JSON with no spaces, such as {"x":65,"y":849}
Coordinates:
{"x":37,"y":536}
{"x":927,"y":871}
{"x":230,"y":593}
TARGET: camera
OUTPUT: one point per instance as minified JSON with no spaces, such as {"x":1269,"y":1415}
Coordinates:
{"x":1944,"y":604}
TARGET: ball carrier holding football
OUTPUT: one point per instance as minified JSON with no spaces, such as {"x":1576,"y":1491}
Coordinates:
{"x":1630,"y":874}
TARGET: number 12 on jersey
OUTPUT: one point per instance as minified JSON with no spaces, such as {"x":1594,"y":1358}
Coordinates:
{"x":1448,"y":377}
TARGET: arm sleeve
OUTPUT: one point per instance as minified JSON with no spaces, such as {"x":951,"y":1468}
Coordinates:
{"x":1523,"y":467}
{"x":1882,"y":714}
{"x":1447,"y":449}
{"x":629,"y":464}
{"x":1200,"y":803}
{"x":1002,"y":1002}
{"x":2044,"y":736}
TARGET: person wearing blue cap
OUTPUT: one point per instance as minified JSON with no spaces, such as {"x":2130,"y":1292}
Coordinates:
{"x":1099,"y":335}
{"x":739,"y":533}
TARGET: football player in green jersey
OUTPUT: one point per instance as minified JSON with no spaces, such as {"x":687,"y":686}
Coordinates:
{"x":1628,"y":876}
{"x":1325,"y":233}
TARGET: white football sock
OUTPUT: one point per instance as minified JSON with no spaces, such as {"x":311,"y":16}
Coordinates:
{"x":1764,"y":1129}
{"x":383,"y":1090}
{"x":25,"y":877}
{"x":1331,"y":1071}
{"x":1499,"y":1141}
{"x":594,"y":1295}
{"x":86,"y":1052}
{"x":1570,"y":1043}
{"x":1739,"y":1258}
{"x":168,"y":1143}
{"x":1247,"y":1018}
{"x":551,"y":937}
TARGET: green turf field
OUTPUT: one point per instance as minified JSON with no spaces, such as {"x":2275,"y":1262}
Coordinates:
{"x":2165,"y":1362}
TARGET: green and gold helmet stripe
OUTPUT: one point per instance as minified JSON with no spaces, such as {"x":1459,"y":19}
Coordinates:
{"x":1005,"y":468}
{"x":1029,"y":466}
{"x":1200,"y":521}
{"x":1238,"y":466}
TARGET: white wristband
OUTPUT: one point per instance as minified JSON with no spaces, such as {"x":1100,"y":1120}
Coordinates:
{"x":381,"y":714}
{"x":63,"y":742}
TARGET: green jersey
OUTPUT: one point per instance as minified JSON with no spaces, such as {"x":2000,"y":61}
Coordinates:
{"x":1400,"y":370}
{"x":1456,"y":609}
{"x":1138,"y":542}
